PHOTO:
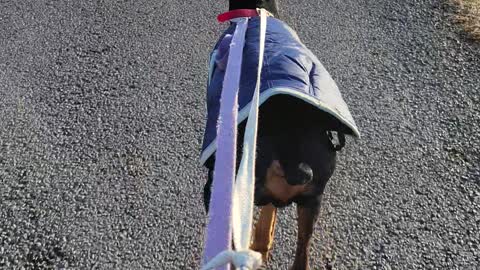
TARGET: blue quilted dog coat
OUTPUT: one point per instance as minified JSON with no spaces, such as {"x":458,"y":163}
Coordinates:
{"x":289,"y":68}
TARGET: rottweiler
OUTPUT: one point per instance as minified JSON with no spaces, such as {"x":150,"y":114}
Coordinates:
{"x":297,"y":146}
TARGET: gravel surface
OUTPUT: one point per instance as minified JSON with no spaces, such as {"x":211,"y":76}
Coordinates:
{"x":102,"y":114}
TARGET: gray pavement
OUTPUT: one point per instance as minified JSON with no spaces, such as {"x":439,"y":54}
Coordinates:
{"x":101,"y":119}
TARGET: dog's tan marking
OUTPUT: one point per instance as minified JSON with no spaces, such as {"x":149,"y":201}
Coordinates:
{"x":277,"y":187}
{"x":264,"y":231}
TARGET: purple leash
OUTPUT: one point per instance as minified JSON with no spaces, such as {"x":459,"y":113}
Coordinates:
{"x":219,"y":228}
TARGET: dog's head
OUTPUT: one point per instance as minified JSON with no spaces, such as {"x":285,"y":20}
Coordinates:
{"x":294,"y":163}
{"x":270,"y":5}
{"x":299,"y":155}
{"x":293,"y":147}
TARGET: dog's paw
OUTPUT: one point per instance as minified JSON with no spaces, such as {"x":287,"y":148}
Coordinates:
{"x":265,"y":253}
{"x":265,"y":256}
{"x":263,"y":267}
{"x":299,"y":267}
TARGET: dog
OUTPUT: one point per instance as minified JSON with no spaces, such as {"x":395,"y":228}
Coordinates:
{"x":296,"y":148}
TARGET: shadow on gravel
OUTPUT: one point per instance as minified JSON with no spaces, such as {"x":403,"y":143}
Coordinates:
{"x":35,"y":252}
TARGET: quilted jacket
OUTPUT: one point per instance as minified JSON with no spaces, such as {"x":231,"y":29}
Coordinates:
{"x":289,"y":68}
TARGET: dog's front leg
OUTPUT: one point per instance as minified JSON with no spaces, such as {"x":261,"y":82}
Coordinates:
{"x":264,"y":231}
{"x":307,"y":216}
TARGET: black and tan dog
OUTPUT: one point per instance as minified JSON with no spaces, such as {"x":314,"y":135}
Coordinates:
{"x":296,"y":157}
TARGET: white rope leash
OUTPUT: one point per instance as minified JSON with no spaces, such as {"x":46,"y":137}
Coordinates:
{"x":244,"y":258}
{"x":245,"y":182}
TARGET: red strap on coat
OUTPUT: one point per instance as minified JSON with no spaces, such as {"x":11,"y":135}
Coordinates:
{"x":237,"y":13}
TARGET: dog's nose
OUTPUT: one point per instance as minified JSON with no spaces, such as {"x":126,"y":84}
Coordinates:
{"x":301,"y":175}
{"x":305,"y":173}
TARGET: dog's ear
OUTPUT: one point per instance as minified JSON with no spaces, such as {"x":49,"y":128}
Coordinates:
{"x":337,"y":140}
{"x":269,"y":5}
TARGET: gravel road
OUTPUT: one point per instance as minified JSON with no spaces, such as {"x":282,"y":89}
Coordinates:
{"x":102,"y":114}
